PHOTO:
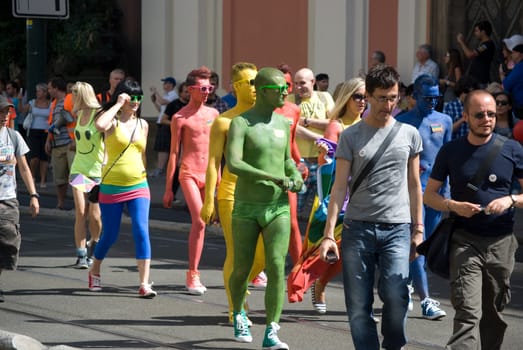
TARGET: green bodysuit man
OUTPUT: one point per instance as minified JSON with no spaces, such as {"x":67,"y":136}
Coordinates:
{"x":258,"y":153}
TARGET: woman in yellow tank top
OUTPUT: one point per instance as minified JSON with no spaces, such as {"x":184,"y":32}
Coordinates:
{"x":124,"y":181}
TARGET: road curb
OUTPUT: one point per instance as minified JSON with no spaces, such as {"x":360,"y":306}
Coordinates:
{"x":15,"y":341}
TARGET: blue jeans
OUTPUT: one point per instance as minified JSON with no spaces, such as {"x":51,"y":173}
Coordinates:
{"x":366,"y":245}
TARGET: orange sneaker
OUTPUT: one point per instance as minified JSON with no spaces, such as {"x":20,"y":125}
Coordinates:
{"x":193,"y":284}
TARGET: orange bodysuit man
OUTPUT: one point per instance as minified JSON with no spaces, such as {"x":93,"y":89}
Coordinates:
{"x":190,"y":130}
{"x":243,"y":75}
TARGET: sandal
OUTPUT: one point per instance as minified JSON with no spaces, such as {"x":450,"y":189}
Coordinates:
{"x":318,"y":297}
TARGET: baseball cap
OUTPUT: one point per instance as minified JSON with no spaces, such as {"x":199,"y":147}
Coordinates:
{"x":5,"y":103}
{"x":513,"y":41}
{"x":169,"y":80}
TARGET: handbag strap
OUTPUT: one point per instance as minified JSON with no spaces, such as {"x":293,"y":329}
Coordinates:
{"x":363,"y":174}
{"x":122,"y":152}
{"x":493,"y":152}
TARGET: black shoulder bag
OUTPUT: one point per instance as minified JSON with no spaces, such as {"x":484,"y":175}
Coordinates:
{"x":367,"y":168}
{"x":437,"y":247}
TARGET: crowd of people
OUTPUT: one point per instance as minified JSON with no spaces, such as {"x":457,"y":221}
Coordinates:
{"x":280,"y":147}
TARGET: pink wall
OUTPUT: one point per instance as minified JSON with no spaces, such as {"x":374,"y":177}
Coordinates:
{"x":383,"y":29}
{"x":265,"y":33}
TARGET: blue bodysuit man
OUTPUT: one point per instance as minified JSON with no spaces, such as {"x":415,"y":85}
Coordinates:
{"x":435,"y":129}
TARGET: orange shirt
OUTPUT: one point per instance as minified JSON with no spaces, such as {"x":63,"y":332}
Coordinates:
{"x":68,"y":106}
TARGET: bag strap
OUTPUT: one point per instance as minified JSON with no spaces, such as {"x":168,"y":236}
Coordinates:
{"x":363,"y":174}
{"x":122,"y":152}
{"x":493,"y":152}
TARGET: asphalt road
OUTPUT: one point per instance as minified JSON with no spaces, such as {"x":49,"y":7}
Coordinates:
{"x":48,"y":300}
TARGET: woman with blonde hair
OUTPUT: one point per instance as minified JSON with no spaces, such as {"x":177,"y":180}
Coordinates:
{"x":349,"y":106}
{"x":86,"y":167}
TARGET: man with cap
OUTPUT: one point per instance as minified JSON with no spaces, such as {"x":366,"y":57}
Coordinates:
{"x":12,"y":153}
{"x":513,"y":83}
{"x":162,"y":142}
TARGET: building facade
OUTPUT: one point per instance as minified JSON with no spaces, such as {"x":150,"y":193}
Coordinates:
{"x":335,"y":37}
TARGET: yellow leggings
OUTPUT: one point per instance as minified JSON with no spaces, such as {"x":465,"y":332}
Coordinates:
{"x":225,"y":212}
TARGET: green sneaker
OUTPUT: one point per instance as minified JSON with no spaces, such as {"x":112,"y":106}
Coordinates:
{"x":271,"y":340}
{"x":242,"y":333}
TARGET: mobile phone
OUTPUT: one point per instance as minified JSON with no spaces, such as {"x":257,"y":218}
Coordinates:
{"x":331,"y":257}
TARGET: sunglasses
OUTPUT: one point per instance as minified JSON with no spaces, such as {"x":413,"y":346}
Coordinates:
{"x":204,"y":88}
{"x":431,"y":99}
{"x":250,"y":81}
{"x":481,"y":115}
{"x":359,"y":97}
{"x":280,"y":88}
{"x":501,"y":103}
{"x":136,"y":98}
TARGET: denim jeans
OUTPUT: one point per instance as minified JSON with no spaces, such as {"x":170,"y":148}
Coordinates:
{"x":365,"y":246}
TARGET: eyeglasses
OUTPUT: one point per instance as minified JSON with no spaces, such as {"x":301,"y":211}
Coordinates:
{"x":481,"y":115}
{"x":501,"y":103}
{"x":4,"y":111}
{"x":136,"y":98}
{"x":280,"y":88}
{"x":383,"y":99}
{"x":250,"y":81}
{"x":359,"y":97}
{"x":204,"y":88}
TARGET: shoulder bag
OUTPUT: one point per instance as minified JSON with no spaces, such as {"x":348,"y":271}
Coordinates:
{"x":28,"y":121}
{"x":436,"y":248}
{"x":95,"y":191}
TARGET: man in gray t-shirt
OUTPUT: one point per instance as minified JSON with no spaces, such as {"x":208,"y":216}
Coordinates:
{"x":383,"y":221}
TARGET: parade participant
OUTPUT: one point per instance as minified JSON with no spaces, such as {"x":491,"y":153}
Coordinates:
{"x":435,"y":129}
{"x":60,"y":138}
{"x":292,"y":112}
{"x":12,"y":150}
{"x":243,"y":74}
{"x":87,"y":163}
{"x":124,"y":181}
{"x":377,"y":229}
{"x":190,"y":130}
{"x":483,"y":245}
{"x":349,"y":106}
{"x":314,"y":106}
{"x":115,"y":77}
{"x":258,"y":152}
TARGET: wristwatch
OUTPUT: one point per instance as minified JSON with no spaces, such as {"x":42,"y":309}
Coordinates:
{"x":306,"y":122}
{"x":514,"y":199}
{"x":34,"y":195}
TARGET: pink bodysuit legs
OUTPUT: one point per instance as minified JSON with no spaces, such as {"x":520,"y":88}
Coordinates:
{"x":193,"y":187}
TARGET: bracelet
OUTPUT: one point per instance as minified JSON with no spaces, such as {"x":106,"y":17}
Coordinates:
{"x":330,"y":238}
{"x":447,"y":203}
{"x":418,"y":224}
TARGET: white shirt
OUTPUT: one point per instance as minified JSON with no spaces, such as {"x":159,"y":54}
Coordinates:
{"x":169,"y":96}
{"x":430,"y":67}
